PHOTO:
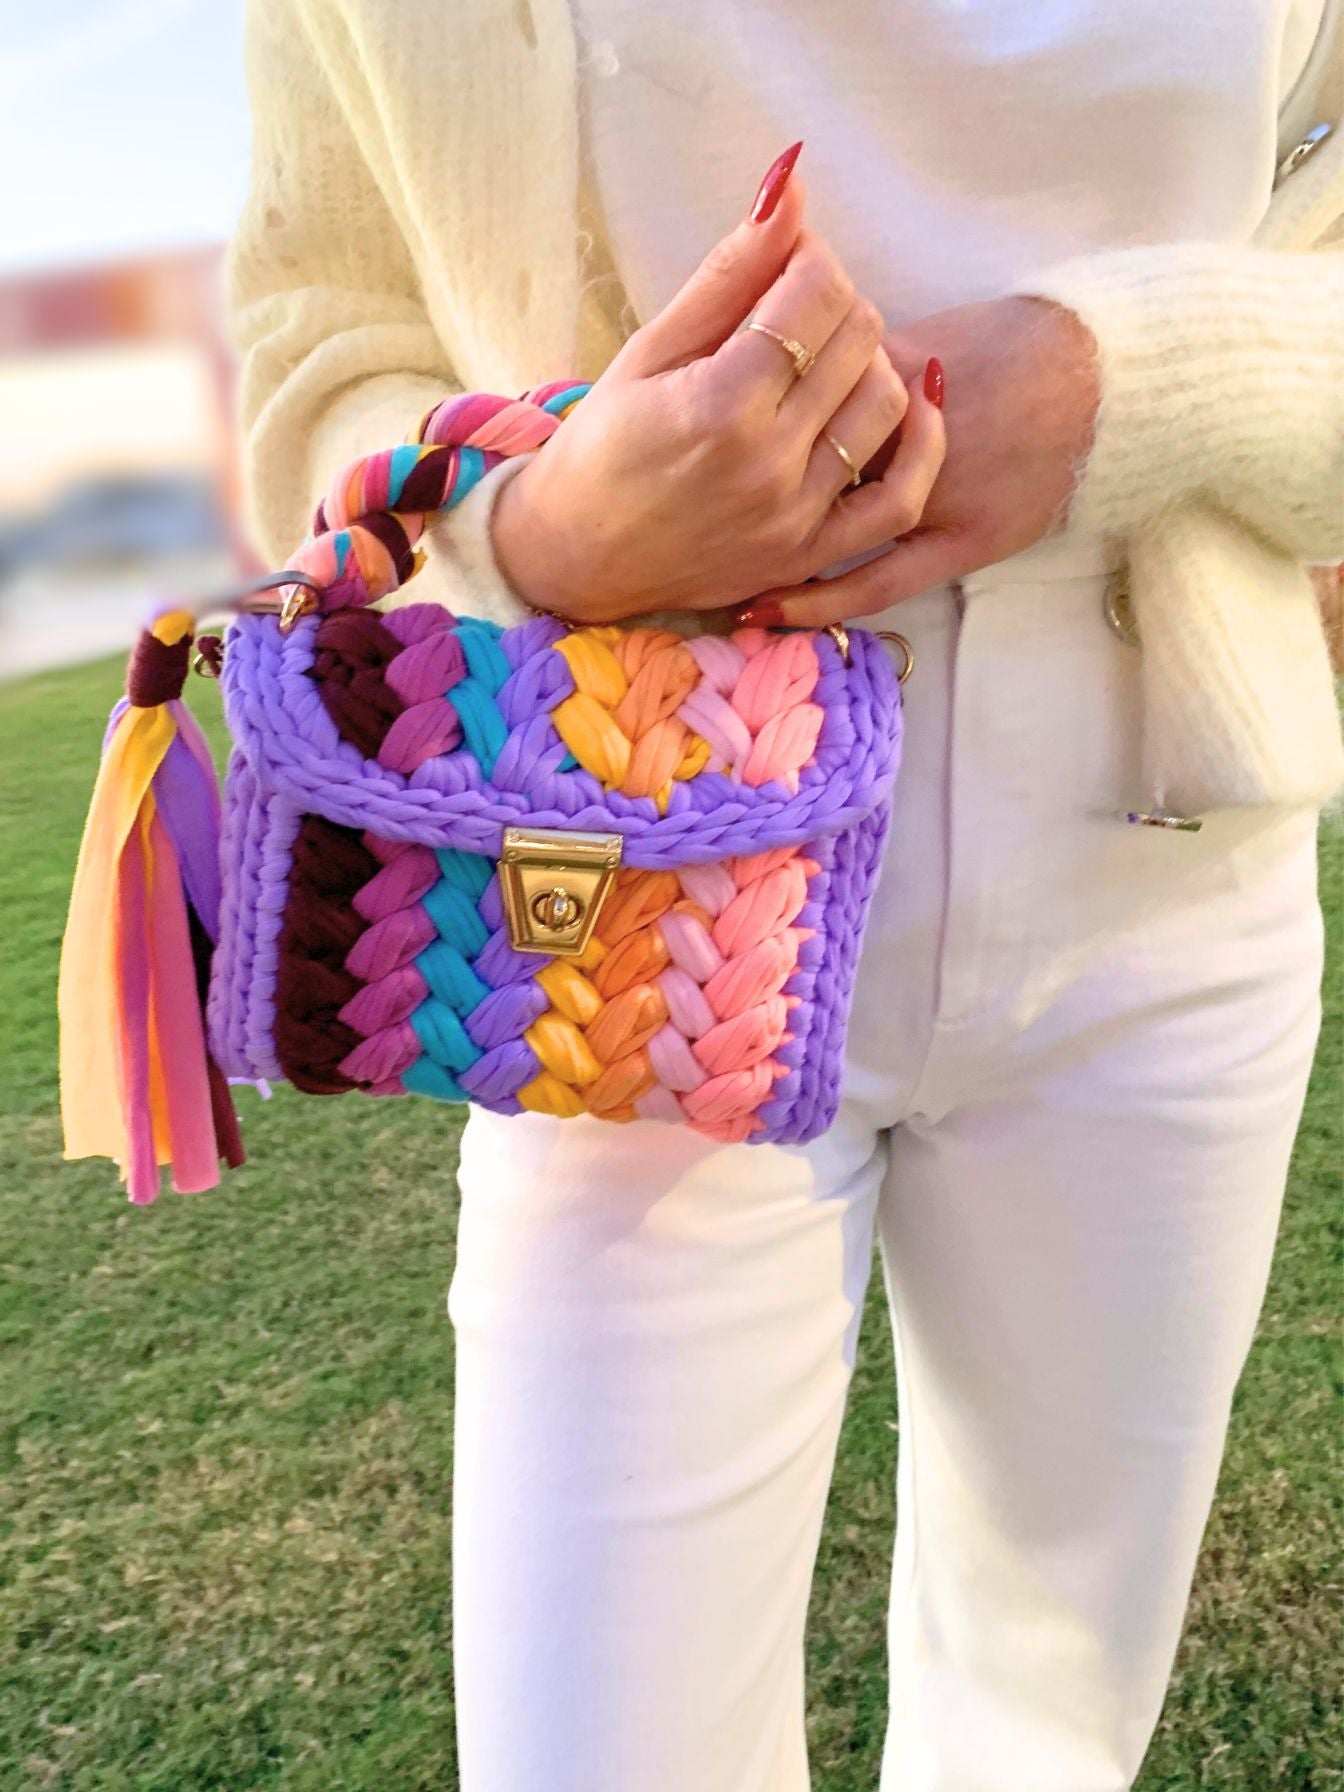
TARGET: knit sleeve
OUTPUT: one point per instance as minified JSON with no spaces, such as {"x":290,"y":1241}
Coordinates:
{"x":1222,"y":377}
{"x":339,"y":357}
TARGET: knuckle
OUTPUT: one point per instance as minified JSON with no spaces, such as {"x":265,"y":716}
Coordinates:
{"x":716,"y":416}
{"x":769,"y":481}
{"x":835,"y":290}
{"x":904,"y":513}
{"x":868,"y":320}
{"x":784,"y":551}
{"x":722,"y":422}
{"x":827,"y":279}
{"x":721,"y":261}
{"x":788,"y":526}
{"x":890,"y":400}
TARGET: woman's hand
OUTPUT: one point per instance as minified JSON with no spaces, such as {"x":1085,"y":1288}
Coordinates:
{"x":1022,"y":391}
{"x":697,"y":471}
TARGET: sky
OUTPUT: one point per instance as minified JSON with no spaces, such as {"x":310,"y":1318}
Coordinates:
{"x":123,"y":128}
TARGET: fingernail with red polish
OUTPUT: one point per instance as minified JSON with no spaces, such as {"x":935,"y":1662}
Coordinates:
{"x":776,"y":179}
{"x":933,"y":382}
{"x":764,"y":613}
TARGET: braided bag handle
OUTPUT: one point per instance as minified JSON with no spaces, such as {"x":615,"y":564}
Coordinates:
{"x":366,"y":527}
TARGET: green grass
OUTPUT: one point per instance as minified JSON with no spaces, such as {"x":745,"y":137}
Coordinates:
{"x":225,"y":1437}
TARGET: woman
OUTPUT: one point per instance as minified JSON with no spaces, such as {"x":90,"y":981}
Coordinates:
{"x":1080,"y":1046}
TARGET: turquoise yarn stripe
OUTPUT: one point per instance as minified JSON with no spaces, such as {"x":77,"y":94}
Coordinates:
{"x":455,"y":918}
{"x":455,"y":989}
{"x":561,"y":401}
{"x":484,"y":729}
{"x":470,"y":470}
{"x":450,"y":978}
{"x":425,"y":1077}
{"x":443,"y":1036}
{"x":469,"y":871}
{"x":403,"y":462}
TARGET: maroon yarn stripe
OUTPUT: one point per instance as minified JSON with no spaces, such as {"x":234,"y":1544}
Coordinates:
{"x":320,"y":926}
{"x":353,"y":650}
{"x":425,"y":483}
{"x":158,"y":670}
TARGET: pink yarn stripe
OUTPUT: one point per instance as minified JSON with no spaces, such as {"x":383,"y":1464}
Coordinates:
{"x":382,"y":1004}
{"x":784,"y":746}
{"x":389,"y":943}
{"x":674,"y":1061}
{"x":660,"y":1104}
{"x":763,"y":908}
{"x":780,"y":676}
{"x":404,"y":879}
{"x":387,"y":1054}
{"x":178,"y":1024}
{"x":738,"y":1043}
{"x":720,"y":660}
{"x":692,"y":950}
{"x":377,"y":482}
{"x":748,"y":979}
{"x":142,"y":1164}
{"x":712,"y":886}
{"x":687,"y":1007}
{"x":731,"y":1097}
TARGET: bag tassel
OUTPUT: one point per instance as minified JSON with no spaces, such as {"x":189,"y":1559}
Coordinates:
{"x":138,"y":1084}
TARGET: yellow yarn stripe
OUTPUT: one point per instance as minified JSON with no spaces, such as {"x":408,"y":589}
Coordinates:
{"x":587,"y":724}
{"x":574,"y":1003}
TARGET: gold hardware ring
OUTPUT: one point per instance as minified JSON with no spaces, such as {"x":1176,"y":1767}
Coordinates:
{"x":1163,"y":818}
{"x":855,"y":476}
{"x":840,"y":635}
{"x":798,"y":352}
{"x":908,"y":664}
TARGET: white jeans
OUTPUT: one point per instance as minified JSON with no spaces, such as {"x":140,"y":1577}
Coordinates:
{"x":1076,"y":1065}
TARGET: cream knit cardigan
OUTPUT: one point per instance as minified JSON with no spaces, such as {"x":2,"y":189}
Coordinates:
{"x":412,"y":227}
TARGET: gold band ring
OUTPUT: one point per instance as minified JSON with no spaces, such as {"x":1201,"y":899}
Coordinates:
{"x":798,"y":352}
{"x":855,"y":476}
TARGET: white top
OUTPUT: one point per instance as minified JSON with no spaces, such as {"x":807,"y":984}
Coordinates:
{"x":952,"y":145}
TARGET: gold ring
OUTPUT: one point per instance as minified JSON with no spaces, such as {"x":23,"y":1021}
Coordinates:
{"x":798,"y":352}
{"x":840,"y":635}
{"x":855,"y":476}
{"x":908,"y":665}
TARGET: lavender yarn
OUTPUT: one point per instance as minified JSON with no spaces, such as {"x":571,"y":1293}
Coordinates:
{"x":258,"y":843}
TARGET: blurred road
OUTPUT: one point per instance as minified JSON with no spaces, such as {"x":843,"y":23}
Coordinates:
{"x":52,"y":618}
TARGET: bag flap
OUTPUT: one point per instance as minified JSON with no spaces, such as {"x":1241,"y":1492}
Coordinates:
{"x":417,"y":725}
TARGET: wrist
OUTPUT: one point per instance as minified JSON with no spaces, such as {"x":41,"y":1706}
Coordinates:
{"x":530,"y":560}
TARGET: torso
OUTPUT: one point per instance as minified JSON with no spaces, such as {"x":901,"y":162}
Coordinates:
{"x":952,"y":145}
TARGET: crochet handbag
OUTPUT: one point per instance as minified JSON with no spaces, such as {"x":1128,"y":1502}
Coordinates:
{"x":564,"y":871}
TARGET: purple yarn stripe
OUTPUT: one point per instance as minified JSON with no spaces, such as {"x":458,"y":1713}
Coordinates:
{"x":256,"y":850}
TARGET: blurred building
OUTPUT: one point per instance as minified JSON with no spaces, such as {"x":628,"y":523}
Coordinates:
{"x":117,"y":476}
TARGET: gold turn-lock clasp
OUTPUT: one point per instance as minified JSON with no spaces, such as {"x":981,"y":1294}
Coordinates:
{"x":554,"y":884}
